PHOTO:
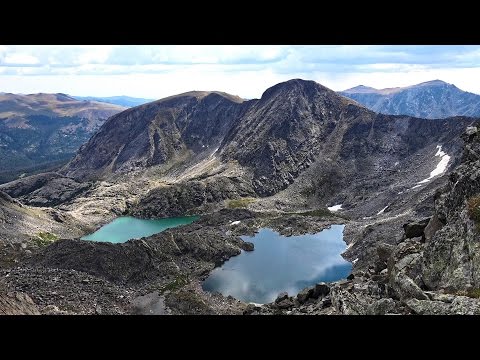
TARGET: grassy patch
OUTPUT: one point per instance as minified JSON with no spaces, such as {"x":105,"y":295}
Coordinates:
{"x":180,"y":281}
{"x":474,"y":293}
{"x":473,"y":207}
{"x":240,"y":203}
{"x":44,"y":238}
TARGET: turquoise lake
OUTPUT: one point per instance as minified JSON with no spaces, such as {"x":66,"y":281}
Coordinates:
{"x":126,"y":227}
{"x":281,"y":263}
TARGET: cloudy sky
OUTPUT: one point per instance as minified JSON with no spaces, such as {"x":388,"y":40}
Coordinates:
{"x":159,"y":71}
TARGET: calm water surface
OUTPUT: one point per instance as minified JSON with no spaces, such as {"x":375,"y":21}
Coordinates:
{"x":281,"y":263}
{"x":126,"y":227}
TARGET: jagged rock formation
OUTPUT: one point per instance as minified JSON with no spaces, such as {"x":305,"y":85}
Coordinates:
{"x":452,"y":252}
{"x":430,"y":100}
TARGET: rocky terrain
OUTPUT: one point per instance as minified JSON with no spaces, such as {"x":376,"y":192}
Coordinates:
{"x":430,"y":100}
{"x":42,"y":131}
{"x":275,"y":162}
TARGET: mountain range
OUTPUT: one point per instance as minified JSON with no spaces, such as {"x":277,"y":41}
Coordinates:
{"x":125,"y":101}
{"x":41,"y":131}
{"x":406,"y":188}
{"x":431,"y":100}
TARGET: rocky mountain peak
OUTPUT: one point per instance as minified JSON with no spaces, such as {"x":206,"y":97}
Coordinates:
{"x":432,"y":83}
{"x":297,"y":87}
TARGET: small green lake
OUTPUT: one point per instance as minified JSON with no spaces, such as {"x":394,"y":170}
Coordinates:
{"x":125,"y":228}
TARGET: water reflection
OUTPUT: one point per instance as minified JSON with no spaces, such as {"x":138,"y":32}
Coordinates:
{"x":281,"y":263}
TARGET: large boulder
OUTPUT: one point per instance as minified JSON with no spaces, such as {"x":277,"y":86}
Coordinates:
{"x":415,"y":229}
{"x":305,"y":294}
{"x":321,"y":290}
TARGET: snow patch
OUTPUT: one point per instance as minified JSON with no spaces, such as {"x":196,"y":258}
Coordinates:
{"x":439,"y":151}
{"x":396,"y":163}
{"x":256,"y":304}
{"x":235,"y":223}
{"x":382,"y":211}
{"x":441,"y":166}
{"x":212,"y":154}
{"x":354,"y":261}
{"x":335,"y":207}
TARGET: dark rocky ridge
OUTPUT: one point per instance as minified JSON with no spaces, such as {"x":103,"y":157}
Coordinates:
{"x":293,"y":126}
{"x":431,"y":100}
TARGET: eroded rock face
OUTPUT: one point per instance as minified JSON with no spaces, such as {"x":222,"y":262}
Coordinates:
{"x":452,"y":255}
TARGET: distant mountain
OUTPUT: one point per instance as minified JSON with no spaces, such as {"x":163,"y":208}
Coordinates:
{"x":432,"y":100}
{"x":125,"y":101}
{"x":41,"y":131}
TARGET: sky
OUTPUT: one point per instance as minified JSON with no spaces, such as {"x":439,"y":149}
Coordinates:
{"x":156,"y":71}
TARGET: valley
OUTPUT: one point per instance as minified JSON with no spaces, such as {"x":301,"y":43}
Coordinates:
{"x":41,"y":132}
{"x":399,"y":186}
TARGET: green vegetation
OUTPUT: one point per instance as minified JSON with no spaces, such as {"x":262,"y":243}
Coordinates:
{"x":180,"y":281}
{"x":474,"y":293}
{"x":240,"y":203}
{"x":473,"y":207}
{"x":44,"y":238}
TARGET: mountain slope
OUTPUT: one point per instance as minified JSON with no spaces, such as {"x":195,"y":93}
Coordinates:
{"x":432,"y":100}
{"x":156,"y":133}
{"x":40,"y":131}
{"x":125,"y":101}
{"x":299,"y":135}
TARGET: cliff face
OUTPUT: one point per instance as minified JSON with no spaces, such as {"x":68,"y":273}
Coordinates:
{"x":452,"y":253}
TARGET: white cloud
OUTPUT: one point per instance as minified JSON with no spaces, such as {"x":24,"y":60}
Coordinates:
{"x":19,"y":59}
{"x":157,"y":71}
